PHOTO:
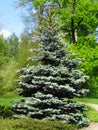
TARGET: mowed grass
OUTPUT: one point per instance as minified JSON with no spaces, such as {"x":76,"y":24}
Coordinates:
{"x":31,"y":124}
{"x":87,"y":100}
{"x":92,"y":114}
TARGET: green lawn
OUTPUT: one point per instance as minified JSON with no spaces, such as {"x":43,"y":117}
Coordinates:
{"x":91,"y":113}
{"x":90,"y":100}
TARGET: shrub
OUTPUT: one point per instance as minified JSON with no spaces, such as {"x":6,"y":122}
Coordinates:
{"x":7,"y":74}
{"x":5,"y":112}
{"x":88,"y":49}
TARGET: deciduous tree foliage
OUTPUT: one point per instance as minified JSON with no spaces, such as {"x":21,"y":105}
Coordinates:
{"x":76,"y":17}
{"x":13,"y":42}
{"x":4,"y":48}
{"x":45,"y":86}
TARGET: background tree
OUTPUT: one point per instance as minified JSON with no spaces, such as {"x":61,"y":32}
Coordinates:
{"x":44,"y":86}
{"x":32,"y":13}
{"x":13,"y":42}
{"x":76,"y":17}
{"x":25,"y":50}
{"x":3,"y":46}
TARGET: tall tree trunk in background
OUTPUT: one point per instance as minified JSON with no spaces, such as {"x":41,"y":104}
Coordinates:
{"x":49,"y":14}
{"x":73,"y":30}
{"x":41,"y":13}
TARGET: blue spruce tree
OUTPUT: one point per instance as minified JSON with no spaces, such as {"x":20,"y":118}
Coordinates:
{"x":45,"y":86}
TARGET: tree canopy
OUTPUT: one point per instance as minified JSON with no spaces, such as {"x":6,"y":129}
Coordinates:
{"x":76,"y":17}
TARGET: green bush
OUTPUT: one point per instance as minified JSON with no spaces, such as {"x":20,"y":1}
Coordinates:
{"x":4,"y":60}
{"x":8,"y":98}
{"x":5,"y":112}
{"x":88,"y":49}
{"x":10,"y":66}
{"x":8,"y":76}
{"x":30,"y":124}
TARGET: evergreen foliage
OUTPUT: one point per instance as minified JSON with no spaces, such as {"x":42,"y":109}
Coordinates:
{"x":45,"y":86}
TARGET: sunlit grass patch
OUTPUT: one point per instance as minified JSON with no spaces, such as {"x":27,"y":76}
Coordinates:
{"x":8,"y":98}
{"x":86,"y":100}
{"x":92,"y":114}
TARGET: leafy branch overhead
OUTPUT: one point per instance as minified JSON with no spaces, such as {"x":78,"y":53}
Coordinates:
{"x":75,"y":17}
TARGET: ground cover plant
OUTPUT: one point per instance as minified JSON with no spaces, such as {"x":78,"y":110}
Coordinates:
{"x":44,"y":86}
{"x":30,"y":124}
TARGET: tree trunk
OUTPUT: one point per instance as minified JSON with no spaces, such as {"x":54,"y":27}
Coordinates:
{"x":41,"y":14}
{"x":73,"y":31}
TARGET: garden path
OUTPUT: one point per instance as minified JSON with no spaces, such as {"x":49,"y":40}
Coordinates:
{"x":93,"y":125}
{"x":95,"y":106}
